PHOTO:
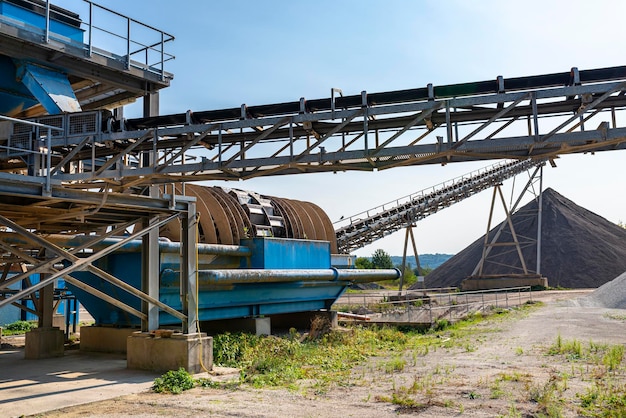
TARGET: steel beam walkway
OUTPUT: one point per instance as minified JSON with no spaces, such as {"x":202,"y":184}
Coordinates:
{"x":538,"y":117}
{"x":368,"y":226}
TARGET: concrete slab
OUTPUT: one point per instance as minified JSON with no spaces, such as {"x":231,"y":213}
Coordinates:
{"x":30,"y":387}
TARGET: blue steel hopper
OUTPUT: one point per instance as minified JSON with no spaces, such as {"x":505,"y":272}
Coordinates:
{"x":301,"y":279}
{"x":258,"y":255}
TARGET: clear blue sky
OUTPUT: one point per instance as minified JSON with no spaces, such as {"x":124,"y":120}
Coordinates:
{"x":259,"y":52}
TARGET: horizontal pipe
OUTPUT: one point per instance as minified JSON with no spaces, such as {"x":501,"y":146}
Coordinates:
{"x":242,"y":276}
{"x":70,"y":241}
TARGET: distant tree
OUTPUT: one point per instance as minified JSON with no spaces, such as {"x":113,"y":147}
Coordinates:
{"x":363,"y":263}
{"x":409,"y":277}
{"x":381,"y":260}
{"x":621,"y":224}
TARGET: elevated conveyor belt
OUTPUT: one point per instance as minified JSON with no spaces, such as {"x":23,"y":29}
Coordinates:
{"x":540,"y":117}
{"x":366,"y":227}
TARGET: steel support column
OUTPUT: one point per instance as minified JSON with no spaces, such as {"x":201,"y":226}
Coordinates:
{"x":539,"y":219}
{"x":150,"y":271}
{"x":189,"y":269}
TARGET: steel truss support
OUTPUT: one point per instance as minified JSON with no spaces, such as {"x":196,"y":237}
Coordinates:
{"x":498,"y":191}
{"x":535,"y":178}
{"x":76,"y":263}
{"x":483,"y":121}
{"x":84,"y":263}
{"x":407,"y":235}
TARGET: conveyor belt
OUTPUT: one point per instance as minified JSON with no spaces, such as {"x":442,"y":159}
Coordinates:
{"x":487,"y":120}
{"x":366,"y":227}
{"x":385,"y":98}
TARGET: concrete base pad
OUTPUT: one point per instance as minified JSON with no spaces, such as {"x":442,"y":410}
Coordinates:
{"x":104,"y":339}
{"x":502,"y":282}
{"x":189,"y":351}
{"x":44,"y":343}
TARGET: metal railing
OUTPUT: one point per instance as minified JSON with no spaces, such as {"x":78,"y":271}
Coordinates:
{"x":427,"y":306}
{"x":34,"y":147}
{"x":149,"y":55}
{"x":119,"y":37}
{"x":368,"y":226}
{"x":408,"y":199}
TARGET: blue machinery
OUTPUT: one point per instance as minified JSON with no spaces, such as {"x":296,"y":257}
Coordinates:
{"x":79,"y":188}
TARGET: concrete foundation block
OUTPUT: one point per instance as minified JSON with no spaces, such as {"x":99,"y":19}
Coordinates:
{"x":502,"y":282}
{"x":44,"y":343}
{"x":257,"y":326}
{"x":104,"y":339}
{"x":189,"y":351}
{"x":58,"y":321}
{"x":302,"y":320}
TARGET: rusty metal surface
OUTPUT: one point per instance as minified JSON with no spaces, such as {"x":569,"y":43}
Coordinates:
{"x":224,"y":218}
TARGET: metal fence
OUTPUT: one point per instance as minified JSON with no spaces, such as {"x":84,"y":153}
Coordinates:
{"x":428,"y":306}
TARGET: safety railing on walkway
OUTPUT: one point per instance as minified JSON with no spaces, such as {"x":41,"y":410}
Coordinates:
{"x":97,"y":30}
{"x":32,"y":139}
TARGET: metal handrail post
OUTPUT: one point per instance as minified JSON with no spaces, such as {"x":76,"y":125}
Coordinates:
{"x":162,"y":56}
{"x":48,"y":190}
{"x":90,"y":29}
{"x":128,"y":43}
{"x":47,"y":36}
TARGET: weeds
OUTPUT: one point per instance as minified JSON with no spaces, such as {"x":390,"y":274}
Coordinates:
{"x":327,"y":360}
{"x":613,"y":358}
{"x":18,"y":327}
{"x":548,"y":398}
{"x":572,"y":349}
{"x":604,"y":399}
{"x":614,"y":316}
{"x":174,"y":382}
{"x":394,"y":365}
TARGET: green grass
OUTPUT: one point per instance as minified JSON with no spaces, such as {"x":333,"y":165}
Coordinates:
{"x":18,"y":327}
{"x":601,"y":367}
{"x":317,"y":365}
{"x":394,"y":365}
{"x":174,"y":381}
{"x":604,"y":399}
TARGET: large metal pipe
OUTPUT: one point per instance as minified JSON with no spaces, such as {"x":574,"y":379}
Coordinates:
{"x":133,"y":246}
{"x":243,"y":276}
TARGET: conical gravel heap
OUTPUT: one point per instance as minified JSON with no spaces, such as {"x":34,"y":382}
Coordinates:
{"x":579,"y":248}
{"x":609,"y":295}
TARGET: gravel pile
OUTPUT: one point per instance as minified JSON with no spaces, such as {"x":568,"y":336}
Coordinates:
{"x":610,"y":295}
{"x":580,"y":249}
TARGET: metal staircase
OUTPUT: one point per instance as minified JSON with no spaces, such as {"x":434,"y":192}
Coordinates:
{"x":366,"y":227}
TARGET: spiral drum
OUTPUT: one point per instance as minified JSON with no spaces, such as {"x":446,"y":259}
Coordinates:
{"x":229,"y":215}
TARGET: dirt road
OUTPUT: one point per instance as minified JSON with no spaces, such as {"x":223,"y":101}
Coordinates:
{"x":501,"y":368}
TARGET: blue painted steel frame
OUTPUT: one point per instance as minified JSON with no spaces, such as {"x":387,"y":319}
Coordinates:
{"x":218,"y":301}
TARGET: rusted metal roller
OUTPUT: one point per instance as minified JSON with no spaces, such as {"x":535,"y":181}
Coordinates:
{"x":227,"y":216}
{"x":311,"y":230}
{"x":237,"y":218}
{"x":208,"y":233}
{"x":293,"y":225}
{"x":329,"y":231}
{"x":206,"y":226}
